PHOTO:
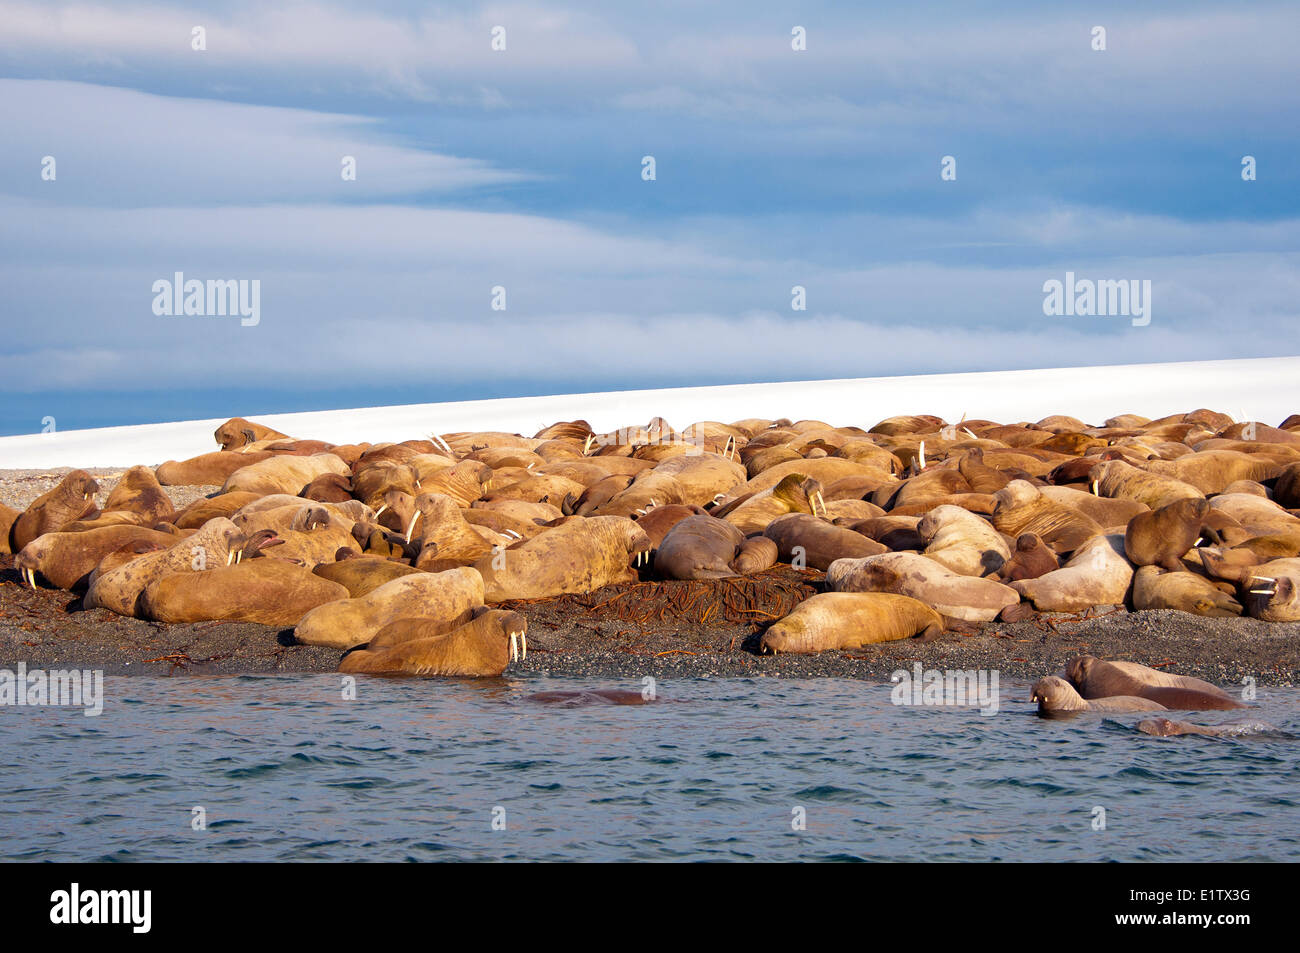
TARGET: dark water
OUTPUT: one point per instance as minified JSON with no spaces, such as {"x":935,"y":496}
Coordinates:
{"x":285,"y":769}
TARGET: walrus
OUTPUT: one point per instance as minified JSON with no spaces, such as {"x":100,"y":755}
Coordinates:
{"x":310,"y":533}
{"x":238,"y":432}
{"x":1029,"y":559}
{"x":452,"y":594}
{"x":72,"y":499}
{"x":1272,"y":591}
{"x":202,"y":510}
{"x":267,"y":591}
{"x":751,"y":513}
{"x":207,"y":469}
{"x":968,"y":598}
{"x":1022,"y":508}
{"x":580,"y":556}
{"x":8,"y":516}
{"x":68,"y":559}
{"x":659,"y":520}
{"x":1055,"y":694}
{"x":283,"y":474}
{"x":481,"y":647}
{"x":1115,"y":478}
{"x":328,"y":488}
{"x":1161,"y":537}
{"x":361,"y":574}
{"x":1098,"y":574}
{"x":699,"y":547}
{"x":590,"y":696}
{"x":1095,"y":678}
{"x":1167,"y":727}
{"x":756,"y":554}
{"x":119,"y":589}
{"x":962,"y":541}
{"x":800,"y":537}
{"x":849,"y":620}
{"x":138,"y":492}
{"x":1155,"y":588}
{"x":437,"y":519}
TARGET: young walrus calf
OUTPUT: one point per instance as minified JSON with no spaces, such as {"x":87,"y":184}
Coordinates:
{"x":850,"y":620}
{"x":1055,"y":694}
{"x":1096,"y":679}
{"x":482,"y":647}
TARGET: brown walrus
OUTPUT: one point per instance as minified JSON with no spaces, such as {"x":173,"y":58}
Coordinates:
{"x":1029,"y":559}
{"x":482,"y":647}
{"x":801,"y":537}
{"x":266,"y":590}
{"x":238,"y":432}
{"x":8,"y":516}
{"x":581,"y":555}
{"x":590,"y":696}
{"x":699,"y":547}
{"x":1022,"y":508}
{"x":1167,"y":727}
{"x":68,"y":559}
{"x":1161,"y":537}
{"x":73,"y":499}
{"x":1153,"y":588}
{"x":849,"y":620}
{"x":1095,"y":678}
{"x":1055,"y":694}
{"x":207,"y":469}
{"x":361,"y":574}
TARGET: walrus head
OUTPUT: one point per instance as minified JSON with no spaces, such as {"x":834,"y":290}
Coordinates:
{"x":309,"y":518}
{"x":1160,"y":727}
{"x":259,"y":541}
{"x":1056,"y":694}
{"x":1078,"y":669}
{"x":28,"y":560}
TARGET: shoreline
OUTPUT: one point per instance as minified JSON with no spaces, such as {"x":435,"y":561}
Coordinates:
{"x":591,"y":636}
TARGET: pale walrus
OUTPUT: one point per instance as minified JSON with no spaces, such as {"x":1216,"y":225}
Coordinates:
{"x":1055,"y":694}
{"x":849,"y":620}
{"x":1098,"y":574}
{"x":968,"y":598}
{"x":965,"y":543}
{"x":482,"y":647}
{"x":450,"y":595}
{"x":580,"y":556}
{"x":1095,"y":678}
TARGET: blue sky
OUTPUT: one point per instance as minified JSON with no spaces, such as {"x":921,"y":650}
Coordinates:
{"x":522,"y":168}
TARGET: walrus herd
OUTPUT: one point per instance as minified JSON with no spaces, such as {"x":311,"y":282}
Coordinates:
{"x":396,"y":553}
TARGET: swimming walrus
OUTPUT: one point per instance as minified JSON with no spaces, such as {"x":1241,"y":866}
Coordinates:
{"x":266,"y":590}
{"x":350,"y":622}
{"x":73,"y":499}
{"x":849,"y":620}
{"x":1055,"y":694}
{"x":119,"y":589}
{"x":968,"y":598}
{"x":482,"y":647}
{"x":1154,"y":588}
{"x":582,"y":555}
{"x":1095,"y":678}
{"x":1167,"y":727}
{"x":801,"y":537}
{"x":590,"y":696}
{"x":68,"y":559}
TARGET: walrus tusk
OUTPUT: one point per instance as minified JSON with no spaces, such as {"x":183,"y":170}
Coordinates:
{"x":1264,"y":592}
{"x":510,"y":532}
{"x":922,"y":454}
{"x":410,"y":530}
{"x":514,"y":648}
{"x":230,"y":557}
{"x":523,"y":641}
{"x":380,"y":512}
{"x":967,"y":429}
{"x":1263,"y":579}
{"x":1094,"y":488}
{"x":239,"y":556}
{"x":591,"y":438}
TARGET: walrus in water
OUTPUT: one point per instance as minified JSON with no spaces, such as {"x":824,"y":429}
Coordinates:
{"x":268,"y":591}
{"x":1095,"y":678}
{"x":351,"y":622}
{"x":1161,"y":537}
{"x":968,"y":598}
{"x":482,"y":647}
{"x":1153,"y":588}
{"x":1167,"y":727}
{"x":850,"y":620}
{"x":589,"y":696}
{"x":582,"y":555}
{"x":1055,"y":694}
{"x":68,"y":559}
{"x":73,"y":499}
{"x":817,"y":542}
